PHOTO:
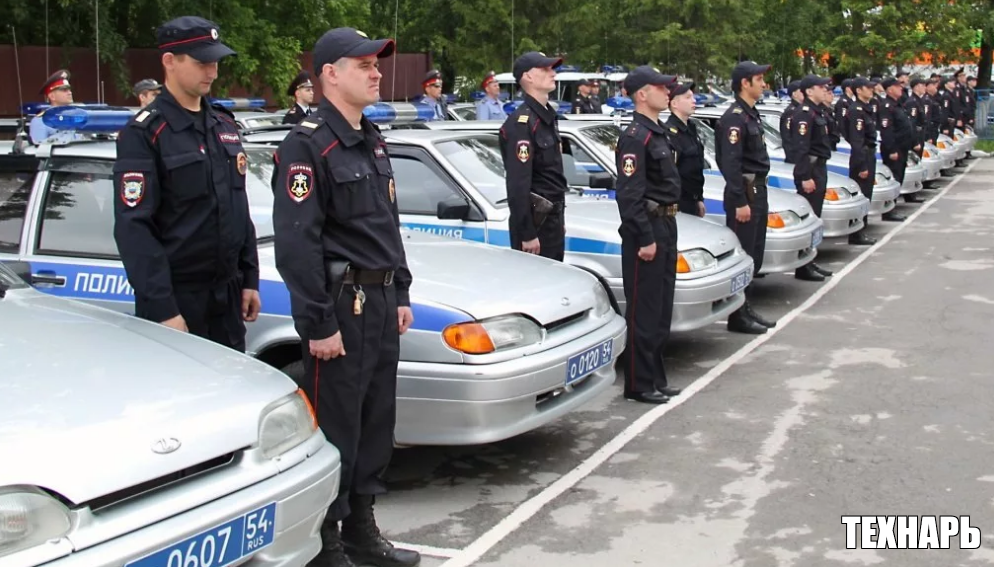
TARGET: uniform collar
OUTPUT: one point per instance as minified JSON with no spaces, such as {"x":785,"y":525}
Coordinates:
{"x":750,"y":110}
{"x":675,"y":122}
{"x":341,"y":127}
{"x":649,"y":123}
{"x":178,"y":117}
{"x":544,"y":112}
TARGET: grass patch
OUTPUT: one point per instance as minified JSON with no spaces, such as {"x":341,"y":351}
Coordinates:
{"x":985,"y":145}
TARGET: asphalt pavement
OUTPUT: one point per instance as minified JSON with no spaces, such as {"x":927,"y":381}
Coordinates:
{"x":873,"y":396}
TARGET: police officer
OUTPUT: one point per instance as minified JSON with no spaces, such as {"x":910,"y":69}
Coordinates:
{"x":688,"y":148}
{"x":860,"y":130}
{"x":897,"y":138}
{"x":533,"y":162}
{"x":57,"y":92}
{"x":490,"y":108}
{"x":340,"y":252}
{"x":879,"y":94}
{"x":950,"y":106}
{"x":904,"y":79}
{"x":965,"y":98}
{"x":971,"y":90}
{"x":933,"y":109}
{"x":581,"y":103}
{"x":146,"y":90}
{"x":811,"y":137}
{"x":433,"y":97}
{"x":917,"y":109}
{"x":301,"y":90}
{"x":647,"y":194}
{"x":182,"y":221}
{"x":595,"y":97}
{"x":841,"y":111}
{"x":744,"y":163}
{"x":796,"y":98}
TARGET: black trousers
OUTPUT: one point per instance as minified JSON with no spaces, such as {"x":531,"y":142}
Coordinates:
{"x":816,"y":198}
{"x":214,"y":313}
{"x":649,"y":289}
{"x":689,"y":206}
{"x":752,"y":234}
{"x":551,"y":236}
{"x":865,"y":185}
{"x":355,"y":396}
{"x":899,"y":165}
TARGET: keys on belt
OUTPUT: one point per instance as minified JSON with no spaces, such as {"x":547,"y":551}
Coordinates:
{"x":368,"y":277}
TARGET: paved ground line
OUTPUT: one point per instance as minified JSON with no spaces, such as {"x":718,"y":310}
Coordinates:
{"x":428,"y":550}
{"x":527,"y":509}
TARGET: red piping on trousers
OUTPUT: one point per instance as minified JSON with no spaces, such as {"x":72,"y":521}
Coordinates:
{"x":631,"y":324}
{"x":317,"y":380}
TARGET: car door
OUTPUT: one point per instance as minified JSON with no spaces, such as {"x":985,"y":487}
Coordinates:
{"x":72,"y":252}
{"x":429,"y":201}
{"x":17,"y":180}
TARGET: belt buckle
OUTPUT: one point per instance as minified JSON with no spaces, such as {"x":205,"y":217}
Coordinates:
{"x":672,"y":210}
{"x":388,"y":279}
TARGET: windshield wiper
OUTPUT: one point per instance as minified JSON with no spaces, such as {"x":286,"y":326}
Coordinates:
{"x":3,"y":289}
{"x":265,"y":239}
{"x":501,"y":201}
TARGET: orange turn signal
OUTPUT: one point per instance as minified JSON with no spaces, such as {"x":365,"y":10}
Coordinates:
{"x":831,"y":195}
{"x":682,"y":266}
{"x":942,"y":145}
{"x":470,"y":338}
{"x":926,"y":153}
{"x":310,"y":409}
{"x":774,"y":220}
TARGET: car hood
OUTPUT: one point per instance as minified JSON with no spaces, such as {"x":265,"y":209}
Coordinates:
{"x":599,"y":220}
{"x":714,"y":188}
{"x":86,"y":392}
{"x":477,"y":281}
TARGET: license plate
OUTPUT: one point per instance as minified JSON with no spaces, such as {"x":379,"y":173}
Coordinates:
{"x":817,"y":237}
{"x":219,"y":546}
{"x":580,"y":365}
{"x":740,"y":281}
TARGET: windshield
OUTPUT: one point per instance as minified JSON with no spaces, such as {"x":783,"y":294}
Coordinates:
{"x":706,"y":133}
{"x":8,"y":279}
{"x":479,"y":161}
{"x":773,"y":138}
{"x":603,"y":138}
{"x":259,"y":190}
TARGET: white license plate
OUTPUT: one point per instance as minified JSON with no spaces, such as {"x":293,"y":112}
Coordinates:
{"x":741,"y":280}
{"x":580,"y":365}
{"x":219,"y":546}
{"x":817,"y":237}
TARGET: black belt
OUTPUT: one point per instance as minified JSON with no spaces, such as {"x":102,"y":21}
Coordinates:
{"x":760,"y":180}
{"x":662,"y":211}
{"x":368,"y":277}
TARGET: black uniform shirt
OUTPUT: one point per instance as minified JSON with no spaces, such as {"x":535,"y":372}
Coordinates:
{"x":785,"y":127}
{"x":811,"y":136}
{"x":861,"y":133}
{"x":915,"y":108}
{"x":533,"y":162}
{"x":896,"y":131}
{"x":582,"y":105}
{"x":295,"y":114}
{"x":182,"y":215}
{"x":646,"y":171}
{"x":690,"y":157}
{"x":933,"y":116}
{"x":334,"y":199}
{"x":950,"y":108}
{"x":740,"y":150}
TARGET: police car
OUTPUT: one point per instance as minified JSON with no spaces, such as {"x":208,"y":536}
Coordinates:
{"x":793,"y":232}
{"x":502,"y":342}
{"x":451,"y":183}
{"x":126,"y":443}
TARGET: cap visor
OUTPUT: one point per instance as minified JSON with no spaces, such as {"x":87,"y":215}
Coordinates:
{"x":551,"y":62}
{"x":211,"y":53}
{"x":379,"y":47}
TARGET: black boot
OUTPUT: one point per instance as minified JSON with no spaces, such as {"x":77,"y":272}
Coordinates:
{"x":332,"y":552}
{"x":740,"y":322}
{"x":807,"y":274}
{"x":755,"y":317}
{"x":894,"y":217}
{"x":912,"y":198}
{"x":363,"y":542}
{"x":820,"y":270}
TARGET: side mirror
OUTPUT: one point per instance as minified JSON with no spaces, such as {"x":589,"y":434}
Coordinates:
{"x":453,"y":208}
{"x":601,"y":180}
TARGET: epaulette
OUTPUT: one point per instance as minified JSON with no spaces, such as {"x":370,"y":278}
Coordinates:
{"x":737,"y":110}
{"x":674,"y":130}
{"x":144,"y":118}
{"x":524,"y":117}
{"x":805,"y":108}
{"x":224,"y":110}
{"x":309,"y":125}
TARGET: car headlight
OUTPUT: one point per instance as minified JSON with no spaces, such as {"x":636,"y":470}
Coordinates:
{"x":490,"y":335}
{"x":941,"y":144}
{"x":926,"y":153}
{"x":695,"y":260}
{"x":853,"y":188}
{"x":602,"y":303}
{"x":782,"y":219}
{"x":28,"y":518}
{"x":834,"y":194}
{"x":957,"y":137}
{"x":286,"y":424}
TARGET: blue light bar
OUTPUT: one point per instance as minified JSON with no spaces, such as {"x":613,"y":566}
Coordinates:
{"x":567,"y":69}
{"x":83,"y":119}
{"x":621,"y":103}
{"x":239,"y":103}
{"x":33,"y":108}
{"x":398,"y":112}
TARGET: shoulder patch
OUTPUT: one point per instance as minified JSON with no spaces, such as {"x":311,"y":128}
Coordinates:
{"x":629,"y":164}
{"x":299,"y":181}
{"x":733,"y":135}
{"x":802,"y":128}
{"x":523,"y":119}
{"x":132,"y":188}
{"x":859,"y":124}
{"x":523,"y":151}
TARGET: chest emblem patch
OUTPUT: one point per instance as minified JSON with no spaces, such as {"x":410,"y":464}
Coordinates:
{"x":299,"y":181}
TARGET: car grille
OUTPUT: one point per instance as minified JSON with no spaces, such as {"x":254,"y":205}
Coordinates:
{"x":726,"y":255}
{"x":161,"y":483}
{"x":565,"y":321}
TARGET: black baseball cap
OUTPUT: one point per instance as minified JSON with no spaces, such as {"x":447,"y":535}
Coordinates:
{"x":918,"y":81}
{"x":348,"y":42}
{"x":863,"y":82}
{"x":146,"y":85}
{"x":793,"y":86}
{"x":193,"y":36}
{"x":814,"y":81}
{"x":681,"y":88}
{"x":583,"y":83}
{"x":847,"y":84}
{"x":645,"y":75}
{"x":889,"y":82}
{"x":533,"y":60}
{"x":747,"y":70}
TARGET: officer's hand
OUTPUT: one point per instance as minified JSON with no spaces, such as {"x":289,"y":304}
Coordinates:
{"x":918,"y":148}
{"x":743,"y":213}
{"x":894,"y":155}
{"x":647,"y":253}
{"x":404,"y":319}
{"x":178,"y":323}
{"x":864,"y":174}
{"x":808,"y":186}
{"x":329,"y":348}
{"x":251,"y":305}
{"x":532,"y":246}
{"x":959,"y":123}
{"x":701,"y":210}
